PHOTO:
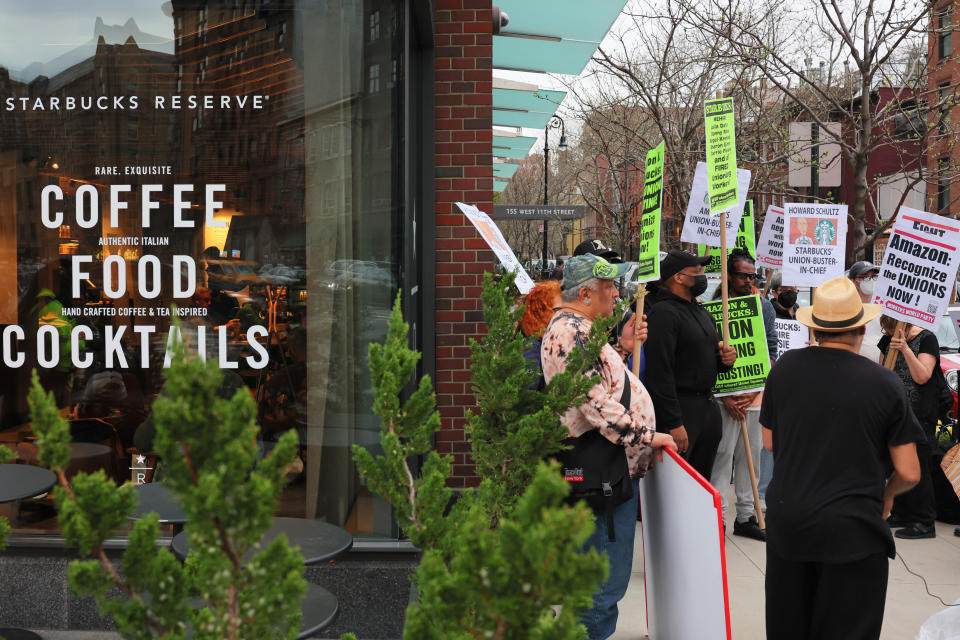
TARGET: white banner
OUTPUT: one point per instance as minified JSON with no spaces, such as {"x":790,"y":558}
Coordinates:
{"x":770,"y":244}
{"x":699,"y":227}
{"x":491,"y":233}
{"x":815,"y":243}
{"x":919,"y":266}
{"x":790,"y":335}
{"x":683,"y":553}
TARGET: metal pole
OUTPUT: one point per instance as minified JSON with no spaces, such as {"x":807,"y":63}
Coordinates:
{"x":546,"y":173}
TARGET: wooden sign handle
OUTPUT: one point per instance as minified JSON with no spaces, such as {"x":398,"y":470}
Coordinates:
{"x":892,"y":353}
{"x":724,"y":291}
{"x":637,"y":345}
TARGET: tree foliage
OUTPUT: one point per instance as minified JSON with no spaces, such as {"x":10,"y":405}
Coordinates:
{"x":209,"y":451}
{"x":499,"y":558}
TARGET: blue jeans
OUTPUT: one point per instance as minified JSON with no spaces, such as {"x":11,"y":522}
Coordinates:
{"x":601,"y":620}
{"x":766,"y":474}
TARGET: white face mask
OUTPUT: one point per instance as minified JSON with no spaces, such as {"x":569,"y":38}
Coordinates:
{"x":866,"y":286}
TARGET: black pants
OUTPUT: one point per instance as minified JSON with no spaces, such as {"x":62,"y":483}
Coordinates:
{"x":918,"y":504}
{"x":701,"y":418}
{"x":820,"y":601}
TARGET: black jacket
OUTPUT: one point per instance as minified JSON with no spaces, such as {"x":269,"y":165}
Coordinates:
{"x":683,"y":355}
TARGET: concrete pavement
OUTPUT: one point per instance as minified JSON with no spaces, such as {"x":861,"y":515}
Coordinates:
{"x":908,"y":604}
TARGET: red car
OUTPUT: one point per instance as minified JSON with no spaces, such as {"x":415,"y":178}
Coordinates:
{"x":949,"y":356}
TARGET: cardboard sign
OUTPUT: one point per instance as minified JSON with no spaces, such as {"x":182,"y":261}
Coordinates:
{"x":919,"y":267}
{"x":790,"y":335}
{"x":699,"y":227}
{"x":770,"y":244}
{"x":648,"y":261}
{"x":491,"y":234}
{"x":721,"y":154}
{"x":815,"y":243}
{"x":745,"y":241}
{"x":749,"y":338}
{"x":683,"y":553}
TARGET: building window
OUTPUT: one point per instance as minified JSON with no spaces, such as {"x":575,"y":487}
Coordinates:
{"x":944,"y":99}
{"x":944,"y":34}
{"x":943,"y":185}
{"x":374,"y":26}
{"x":374,"y":76}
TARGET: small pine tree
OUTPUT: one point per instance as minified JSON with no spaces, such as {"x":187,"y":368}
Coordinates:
{"x":209,"y":451}
{"x":495,"y":563}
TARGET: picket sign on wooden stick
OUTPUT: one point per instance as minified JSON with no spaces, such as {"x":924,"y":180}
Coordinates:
{"x":637,"y":345}
{"x":753,"y":475}
{"x":812,"y":338}
{"x":892,"y":353}
{"x":723,"y":280}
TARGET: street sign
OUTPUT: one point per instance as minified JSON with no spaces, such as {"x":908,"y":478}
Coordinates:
{"x":538,"y":211}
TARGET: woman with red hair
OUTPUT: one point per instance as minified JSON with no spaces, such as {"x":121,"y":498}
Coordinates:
{"x":540,"y":304}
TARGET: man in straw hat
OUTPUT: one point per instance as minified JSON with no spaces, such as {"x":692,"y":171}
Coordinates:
{"x":836,"y":423}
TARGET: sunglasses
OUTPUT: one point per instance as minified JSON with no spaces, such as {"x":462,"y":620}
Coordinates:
{"x":748,"y":276}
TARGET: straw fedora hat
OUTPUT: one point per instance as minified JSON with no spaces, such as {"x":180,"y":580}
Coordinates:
{"x":837,"y":307}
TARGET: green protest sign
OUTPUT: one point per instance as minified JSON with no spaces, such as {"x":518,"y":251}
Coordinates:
{"x":745,"y":241}
{"x":748,"y":337}
{"x":648,"y":261}
{"x":721,"y":154}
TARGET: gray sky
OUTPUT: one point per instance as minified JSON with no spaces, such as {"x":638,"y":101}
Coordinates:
{"x":41,"y":30}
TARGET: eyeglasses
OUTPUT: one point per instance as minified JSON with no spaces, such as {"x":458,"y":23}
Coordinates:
{"x":748,"y":276}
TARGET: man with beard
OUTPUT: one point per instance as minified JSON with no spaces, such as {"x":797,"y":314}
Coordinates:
{"x":684,"y":355}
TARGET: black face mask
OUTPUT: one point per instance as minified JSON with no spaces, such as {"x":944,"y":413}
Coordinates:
{"x":699,"y":285}
{"x":787,"y":299}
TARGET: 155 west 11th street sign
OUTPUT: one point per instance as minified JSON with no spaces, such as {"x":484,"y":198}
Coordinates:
{"x":538,"y":211}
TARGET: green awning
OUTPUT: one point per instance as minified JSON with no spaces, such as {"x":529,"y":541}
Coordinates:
{"x":505,"y":170}
{"x":552,"y":36}
{"x":517,"y":147}
{"x":517,"y":108}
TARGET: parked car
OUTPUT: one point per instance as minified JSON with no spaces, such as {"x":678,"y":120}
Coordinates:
{"x":949,"y":354}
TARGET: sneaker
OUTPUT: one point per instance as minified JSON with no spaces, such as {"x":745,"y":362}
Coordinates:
{"x":916,"y":531}
{"x":956,"y":532}
{"x":749,"y":529}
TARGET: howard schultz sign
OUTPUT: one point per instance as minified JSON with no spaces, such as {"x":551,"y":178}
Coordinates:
{"x":537,"y":211}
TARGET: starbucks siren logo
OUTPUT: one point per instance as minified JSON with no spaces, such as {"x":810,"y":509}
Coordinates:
{"x":825,"y":232}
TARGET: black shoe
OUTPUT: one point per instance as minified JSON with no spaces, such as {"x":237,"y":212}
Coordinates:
{"x":916,"y":531}
{"x":749,"y":529}
{"x":895,"y":521}
{"x":956,"y":532}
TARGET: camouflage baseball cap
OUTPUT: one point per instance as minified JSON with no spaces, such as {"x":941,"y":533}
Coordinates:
{"x":579,"y":269}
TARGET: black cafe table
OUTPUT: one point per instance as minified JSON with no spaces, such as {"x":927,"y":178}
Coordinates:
{"x":318,"y":541}
{"x":17,"y":482}
{"x":156,"y":497}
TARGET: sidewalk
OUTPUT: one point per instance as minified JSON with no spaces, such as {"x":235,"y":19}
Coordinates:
{"x":908,"y":604}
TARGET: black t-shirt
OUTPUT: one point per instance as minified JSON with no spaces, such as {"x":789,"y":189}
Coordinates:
{"x":833,"y":414}
{"x":923,"y":397}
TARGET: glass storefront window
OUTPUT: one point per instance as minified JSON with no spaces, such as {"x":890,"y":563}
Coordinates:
{"x":237,"y":159}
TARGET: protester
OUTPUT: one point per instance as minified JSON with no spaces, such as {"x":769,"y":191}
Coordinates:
{"x":588,"y":293}
{"x":597,"y":248}
{"x":557,"y":273}
{"x":684,"y":355}
{"x":784,"y":298}
{"x":624,"y":340}
{"x":540,"y":303}
{"x":734,"y":409}
{"x":835,"y":422}
{"x":863,"y":275}
{"x":919,"y":355}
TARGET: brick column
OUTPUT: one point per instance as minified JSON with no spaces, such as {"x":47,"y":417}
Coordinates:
{"x":463,"y":118}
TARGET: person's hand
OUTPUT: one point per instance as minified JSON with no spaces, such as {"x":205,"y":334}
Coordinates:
{"x":897,"y":343}
{"x":728,"y":355}
{"x":887,"y":505}
{"x":661,"y":440}
{"x":679,"y":435}
{"x":640,"y":329}
{"x":734,"y":408}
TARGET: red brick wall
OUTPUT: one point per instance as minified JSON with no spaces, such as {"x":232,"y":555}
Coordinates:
{"x":463,"y":117}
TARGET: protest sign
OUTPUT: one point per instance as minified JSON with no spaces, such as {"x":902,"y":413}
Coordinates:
{"x":683,"y":553}
{"x":491,"y":234}
{"x":749,"y":338}
{"x":721,"y":155}
{"x":745,"y":241}
{"x":790,"y":335}
{"x":648,"y":261}
{"x":955,"y":319}
{"x":699,"y":227}
{"x":815,"y":243}
{"x":770,"y":244}
{"x":919,"y":266}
